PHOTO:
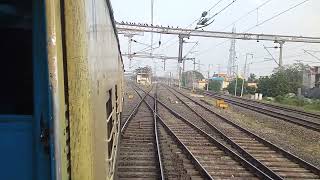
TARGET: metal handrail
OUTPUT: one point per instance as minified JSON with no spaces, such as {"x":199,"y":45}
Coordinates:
{"x":113,"y":135}
{"x":112,"y":163}
{"x":110,"y":116}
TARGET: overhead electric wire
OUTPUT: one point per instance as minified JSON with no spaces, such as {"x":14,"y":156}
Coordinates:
{"x":269,"y":19}
{"x":208,"y":19}
{"x":135,"y":41}
{"x":190,"y":25}
{"x":214,"y":5}
{"x":248,"y":13}
{"x":190,"y":50}
{"x":219,"y":44}
{"x":223,"y":9}
{"x":259,"y":24}
{"x":294,"y":56}
{"x":210,"y":48}
{"x":311,"y":62}
{"x":148,"y":48}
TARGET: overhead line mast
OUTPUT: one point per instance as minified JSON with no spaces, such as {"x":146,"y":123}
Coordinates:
{"x":182,"y":33}
{"x":124,"y":28}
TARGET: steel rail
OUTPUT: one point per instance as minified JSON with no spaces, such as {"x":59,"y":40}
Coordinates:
{"x":202,"y":170}
{"x":233,"y":144}
{"x":157,"y":135}
{"x":286,"y":117}
{"x":155,"y":131}
{"x":287,"y":154}
{"x":133,"y":112}
{"x":297,"y":111}
{"x":288,"y":109}
{"x":221,"y":146}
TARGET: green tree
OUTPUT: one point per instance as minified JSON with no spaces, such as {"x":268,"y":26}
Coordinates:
{"x":250,"y":90}
{"x":215,"y":85}
{"x":231,"y":87}
{"x":188,"y":76}
{"x":252,"y":78}
{"x":146,"y":69}
{"x":284,"y":80}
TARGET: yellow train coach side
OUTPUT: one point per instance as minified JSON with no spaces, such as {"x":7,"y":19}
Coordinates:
{"x":86,"y":74}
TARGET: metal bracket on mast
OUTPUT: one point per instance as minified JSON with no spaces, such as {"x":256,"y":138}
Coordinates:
{"x":181,"y":46}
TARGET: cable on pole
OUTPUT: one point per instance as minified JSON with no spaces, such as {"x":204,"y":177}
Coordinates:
{"x":204,"y":22}
{"x":191,"y":25}
{"x":269,"y":19}
{"x":245,"y":15}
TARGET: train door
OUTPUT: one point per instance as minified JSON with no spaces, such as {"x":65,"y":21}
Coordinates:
{"x":24,"y":95}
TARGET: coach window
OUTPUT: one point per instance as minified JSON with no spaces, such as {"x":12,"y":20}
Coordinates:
{"x":16,"y":72}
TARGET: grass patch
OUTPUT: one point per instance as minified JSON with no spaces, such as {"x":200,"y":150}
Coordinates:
{"x":306,"y":104}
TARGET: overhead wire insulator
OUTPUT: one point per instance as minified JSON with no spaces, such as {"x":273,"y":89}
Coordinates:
{"x":204,"y":14}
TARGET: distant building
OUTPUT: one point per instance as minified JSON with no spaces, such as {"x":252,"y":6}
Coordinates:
{"x":254,"y":85}
{"x":201,"y":84}
{"x":222,"y":77}
{"x":143,"y":78}
{"x":311,"y":77}
{"x":311,"y":82}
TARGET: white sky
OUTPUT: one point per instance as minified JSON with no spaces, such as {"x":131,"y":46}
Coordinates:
{"x":301,"y":21}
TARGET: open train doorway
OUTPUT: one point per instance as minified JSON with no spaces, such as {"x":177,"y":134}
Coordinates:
{"x":25,"y":148}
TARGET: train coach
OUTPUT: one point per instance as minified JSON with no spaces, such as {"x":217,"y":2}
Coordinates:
{"x":61,"y":90}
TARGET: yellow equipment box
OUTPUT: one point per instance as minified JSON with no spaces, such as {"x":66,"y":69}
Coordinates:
{"x":221,"y":104}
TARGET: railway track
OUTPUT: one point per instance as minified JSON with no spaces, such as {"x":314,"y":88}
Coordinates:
{"x":213,"y":159}
{"x":129,"y":105}
{"x":139,"y":155}
{"x":278,"y":107}
{"x":147,"y":151}
{"x":263,"y":154}
{"x":311,"y":121}
{"x":293,"y":110}
{"x":175,"y":158}
{"x":126,"y":118}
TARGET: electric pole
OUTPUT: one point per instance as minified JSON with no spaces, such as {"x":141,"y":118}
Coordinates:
{"x":281,"y":51}
{"x":130,"y":36}
{"x":232,"y":54}
{"x":280,"y":63}
{"x":236,"y":84}
{"x":245,"y":72}
{"x":180,"y":59}
{"x":208,"y":76}
{"x":164,"y":64}
{"x":246,"y":65}
{"x":193,"y":73}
